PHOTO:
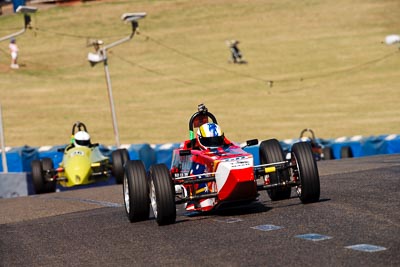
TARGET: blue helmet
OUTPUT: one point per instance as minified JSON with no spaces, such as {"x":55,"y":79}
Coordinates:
{"x":210,"y":135}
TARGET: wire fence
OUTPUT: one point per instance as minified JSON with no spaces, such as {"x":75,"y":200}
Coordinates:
{"x":267,"y":81}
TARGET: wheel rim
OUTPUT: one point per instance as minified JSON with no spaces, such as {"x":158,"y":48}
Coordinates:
{"x":298,"y":188}
{"x":153,"y":198}
{"x":126,"y":194}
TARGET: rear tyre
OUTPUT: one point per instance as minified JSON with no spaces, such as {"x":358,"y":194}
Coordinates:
{"x":124,"y":154}
{"x":345,"y":152}
{"x":271,"y":152}
{"x":136,"y":191}
{"x":49,"y":186}
{"x":328,"y":154}
{"x":162,"y":195}
{"x":307,"y":172}
{"x":37,"y":176}
{"x":119,"y":158}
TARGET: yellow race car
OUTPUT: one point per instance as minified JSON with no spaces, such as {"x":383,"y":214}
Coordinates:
{"x":82,"y":164}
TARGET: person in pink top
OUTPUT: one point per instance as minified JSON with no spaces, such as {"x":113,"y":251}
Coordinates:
{"x":14,"y":53}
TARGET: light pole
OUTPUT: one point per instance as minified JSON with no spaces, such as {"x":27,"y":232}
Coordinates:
{"x":101,"y":56}
{"x":26,"y":10}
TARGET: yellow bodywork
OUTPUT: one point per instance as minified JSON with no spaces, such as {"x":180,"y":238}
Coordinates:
{"x":78,"y":165}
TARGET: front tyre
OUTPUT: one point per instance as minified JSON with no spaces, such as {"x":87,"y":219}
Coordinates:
{"x":136,"y":191}
{"x":328,"y":153}
{"x":37,"y":176}
{"x":271,"y":152}
{"x":306,"y":171}
{"x":162,"y":195}
{"x":346,"y":152}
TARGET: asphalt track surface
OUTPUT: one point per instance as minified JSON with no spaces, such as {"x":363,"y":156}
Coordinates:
{"x":360,"y":205}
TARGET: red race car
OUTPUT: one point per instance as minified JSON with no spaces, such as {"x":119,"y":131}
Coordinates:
{"x":209,"y":172}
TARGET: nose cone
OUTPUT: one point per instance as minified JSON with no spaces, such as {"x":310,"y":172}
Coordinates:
{"x":78,"y":169}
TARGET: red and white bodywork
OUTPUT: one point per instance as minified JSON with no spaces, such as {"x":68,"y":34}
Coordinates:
{"x":226,"y":173}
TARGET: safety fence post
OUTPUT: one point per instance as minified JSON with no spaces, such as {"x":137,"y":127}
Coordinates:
{"x":3,"y":148}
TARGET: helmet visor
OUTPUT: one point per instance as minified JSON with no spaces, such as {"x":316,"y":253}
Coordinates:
{"x":82,"y":142}
{"x":215,"y":141}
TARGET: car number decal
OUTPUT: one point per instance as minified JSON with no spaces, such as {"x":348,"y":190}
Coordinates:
{"x":77,"y":153}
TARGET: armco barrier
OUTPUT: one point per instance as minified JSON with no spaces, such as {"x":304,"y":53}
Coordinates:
{"x":14,"y":185}
{"x":19,"y":159}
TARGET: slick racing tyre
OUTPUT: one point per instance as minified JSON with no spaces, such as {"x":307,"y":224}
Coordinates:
{"x":345,"y":152}
{"x":306,"y":170}
{"x":162,"y":195}
{"x":49,"y":186}
{"x":119,"y":158}
{"x":37,"y":176}
{"x":271,"y":152}
{"x":328,"y":154}
{"x":136,"y":191}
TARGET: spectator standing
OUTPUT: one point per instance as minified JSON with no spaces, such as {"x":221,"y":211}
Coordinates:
{"x":235,"y":52}
{"x":14,"y":53}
